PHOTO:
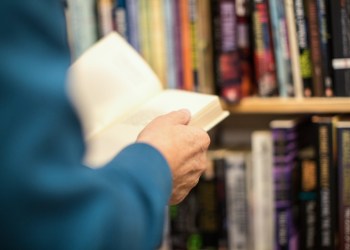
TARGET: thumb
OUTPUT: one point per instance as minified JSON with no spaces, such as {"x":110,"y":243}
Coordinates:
{"x":182,"y":116}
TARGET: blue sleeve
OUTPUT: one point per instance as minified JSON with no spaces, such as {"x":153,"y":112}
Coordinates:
{"x":48,"y":199}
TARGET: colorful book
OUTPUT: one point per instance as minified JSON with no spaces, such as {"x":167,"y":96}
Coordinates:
{"x":284,"y":134}
{"x":303,"y":38}
{"x":294,"y":48}
{"x":244,"y":43}
{"x":186,"y":45}
{"x":132,"y":16}
{"x":264,"y":60}
{"x":281,"y":48}
{"x":227,"y":71}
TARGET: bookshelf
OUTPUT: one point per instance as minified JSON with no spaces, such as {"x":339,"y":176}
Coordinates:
{"x":277,"y":105}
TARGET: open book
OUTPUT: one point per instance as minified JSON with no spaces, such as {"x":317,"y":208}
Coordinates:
{"x":116,"y":94}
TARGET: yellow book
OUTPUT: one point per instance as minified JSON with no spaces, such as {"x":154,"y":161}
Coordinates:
{"x":116,"y":94}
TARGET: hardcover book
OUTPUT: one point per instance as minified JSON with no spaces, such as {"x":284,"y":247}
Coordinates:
{"x":116,"y":94}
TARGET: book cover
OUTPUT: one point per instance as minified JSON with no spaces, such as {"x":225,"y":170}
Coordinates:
{"x":281,"y":48}
{"x":264,"y":60}
{"x":227,"y":71}
{"x":303,"y":38}
{"x":120,"y":19}
{"x":343,"y":149}
{"x":326,"y":181}
{"x":114,"y":89}
{"x":340,"y":41}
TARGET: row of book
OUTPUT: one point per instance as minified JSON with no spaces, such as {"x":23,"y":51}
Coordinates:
{"x":288,"y":190}
{"x":234,"y":48}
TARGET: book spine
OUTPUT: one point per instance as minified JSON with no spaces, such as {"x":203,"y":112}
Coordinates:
{"x":193,"y":17}
{"x":340,"y":37}
{"x":169,"y":14}
{"x":262,"y":191}
{"x":281,"y":48}
{"x":304,"y":47}
{"x":105,"y":17}
{"x":188,"y":83}
{"x":83,"y":29}
{"x":205,"y":48}
{"x":132,"y":15}
{"x":323,"y":16}
{"x":120,"y":19}
{"x":221,"y":193}
{"x":245,"y":47}
{"x":208,"y":213}
{"x":343,"y":141}
{"x":157,"y":39}
{"x":326,"y":186}
{"x":226,"y":57}
{"x":265,"y":70}
{"x":315,"y":44}
{"x":178,"y":46}
{"x":284,"y":158}
{"x":144,"y":29}
{"x":294,"y":48}
{"x":236,"y":200}
{"x":307,"y":199}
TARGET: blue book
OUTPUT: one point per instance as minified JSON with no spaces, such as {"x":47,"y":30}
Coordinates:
{"x":281,"y":48}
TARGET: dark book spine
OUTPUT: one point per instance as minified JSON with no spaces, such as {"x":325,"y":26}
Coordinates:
{"x":178,"y":46}
{"x":304,"y":47}
{"x":220,"y":176}
{"x":340,"y":37}
{"x":326,"y":186}
{"x":244,"y":43}
{"x":264,"y":61}
{"x":307,"y":199}
{"x":323,"y":16}
{"x":343,"y":141}
{"x":315,"y":44}
{"x":227,"y":71}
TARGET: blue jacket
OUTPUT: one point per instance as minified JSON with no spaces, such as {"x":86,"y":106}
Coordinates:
{"x":48,"y":199}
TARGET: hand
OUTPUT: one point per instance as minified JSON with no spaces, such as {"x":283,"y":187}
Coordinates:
{"x":183,"y":146}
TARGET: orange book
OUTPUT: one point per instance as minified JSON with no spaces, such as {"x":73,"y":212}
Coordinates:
{"x":186,"y":48}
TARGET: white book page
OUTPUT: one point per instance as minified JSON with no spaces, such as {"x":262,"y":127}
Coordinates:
{"x":107,"y":81}
{"x":103,"y":146}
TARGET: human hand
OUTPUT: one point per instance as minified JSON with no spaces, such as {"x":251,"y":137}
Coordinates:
{"x":183,"y":146}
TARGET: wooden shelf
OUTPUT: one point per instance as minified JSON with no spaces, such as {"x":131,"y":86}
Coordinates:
{"x":255,"y":105}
